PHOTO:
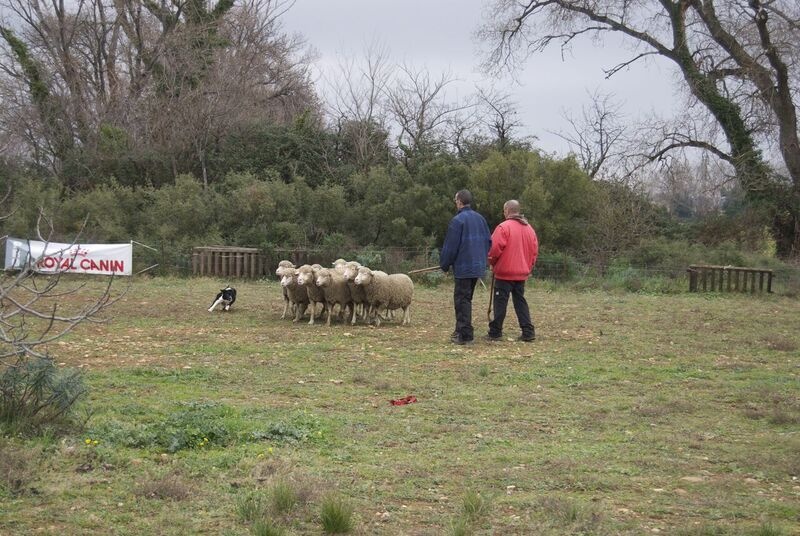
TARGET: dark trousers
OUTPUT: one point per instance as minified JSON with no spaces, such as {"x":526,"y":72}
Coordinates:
{"x":516,"y":289}
{"x":462,"y":299}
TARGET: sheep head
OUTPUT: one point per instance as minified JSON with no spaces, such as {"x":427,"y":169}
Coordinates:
{"x":364,"y":276}
{"x":305,"y":275}
{"x":289,"y":276}
{"x":282,"y":266}
{"x":350,"y":270}
{"x":323,"y":277}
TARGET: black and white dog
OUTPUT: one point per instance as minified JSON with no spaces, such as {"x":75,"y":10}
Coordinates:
{"x":226,"y":297}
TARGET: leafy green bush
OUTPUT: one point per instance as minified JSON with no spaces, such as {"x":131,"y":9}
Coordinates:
{"x":195,"y":427}
{"x":36,"y":394}
{"x":300,"y":427}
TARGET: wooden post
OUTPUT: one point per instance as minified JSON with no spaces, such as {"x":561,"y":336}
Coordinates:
{"x":769,"y":281}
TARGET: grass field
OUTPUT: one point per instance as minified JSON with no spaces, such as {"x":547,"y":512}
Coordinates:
{"x":630,"y":414}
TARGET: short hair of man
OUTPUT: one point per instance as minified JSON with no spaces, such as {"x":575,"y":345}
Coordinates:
{"x":512,"y":206}
{"x":464,"y":196}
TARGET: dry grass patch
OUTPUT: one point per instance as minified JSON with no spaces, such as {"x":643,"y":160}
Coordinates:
{"x":169,"y":487}
{"x":19,"y":468}
{"x":780,"y":343}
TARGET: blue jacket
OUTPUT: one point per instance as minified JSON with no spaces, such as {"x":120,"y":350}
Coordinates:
{"x":466,"y":245}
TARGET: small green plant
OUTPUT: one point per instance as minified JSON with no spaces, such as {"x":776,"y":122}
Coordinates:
{"x":267,"y":527}
{"x":299,"y":427}
{"x":483,"y":371}
{"x":284,"y":497}
{"x":252,"y":507}
{"x":460,"y":527}
{"x":337,"y":515}
{"x":475,"y":506}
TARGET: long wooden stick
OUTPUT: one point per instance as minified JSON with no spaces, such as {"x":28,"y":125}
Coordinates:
{"x":491,"y":299}
{"x":424,"y":270}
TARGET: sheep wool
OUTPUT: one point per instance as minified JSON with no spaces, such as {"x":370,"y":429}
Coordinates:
{"x":287,"y":303}
{"x":335,"y":289}
{"x":306,"y":278}
{"x":296,"y":293}
{"x":394,"y":291}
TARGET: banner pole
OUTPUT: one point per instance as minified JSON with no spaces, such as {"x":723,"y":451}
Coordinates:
{"x":143,"y":245}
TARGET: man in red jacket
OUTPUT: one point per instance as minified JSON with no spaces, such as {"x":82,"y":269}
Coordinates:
{"x":512,"y":256}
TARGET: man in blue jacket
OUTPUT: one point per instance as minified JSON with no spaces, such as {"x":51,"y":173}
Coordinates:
{"x":465,"y":249}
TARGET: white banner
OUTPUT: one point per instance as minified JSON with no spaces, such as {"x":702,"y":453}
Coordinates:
{"x":51,"y":257}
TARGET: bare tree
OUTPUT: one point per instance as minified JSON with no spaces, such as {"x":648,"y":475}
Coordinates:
{"x":171,"y":78}
{"x":689,"y":188}
{"x":359,"y":107}
{"x":738,"y":60}
{"x":597,"y":136}
{"x":420,"y":108}
{"x":500,"y":116}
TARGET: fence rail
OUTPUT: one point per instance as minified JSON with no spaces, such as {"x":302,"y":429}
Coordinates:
{"x":224,"y":261}
{"x":728,"y":278}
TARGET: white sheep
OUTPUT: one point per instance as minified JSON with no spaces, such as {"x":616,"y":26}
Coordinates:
{"x":306,"y":278}
{"x":356,"y":291}
{"x":287,"y":303}
{"x":339,"y":265}
{"x":296,"y":293}
{"x":336,"y":291}
{"x":394,"y":291}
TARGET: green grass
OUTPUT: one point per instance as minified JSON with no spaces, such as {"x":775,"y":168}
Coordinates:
{"x":631,"y":412}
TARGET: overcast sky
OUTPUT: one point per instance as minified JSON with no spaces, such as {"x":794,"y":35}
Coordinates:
{"x":438,"y":35}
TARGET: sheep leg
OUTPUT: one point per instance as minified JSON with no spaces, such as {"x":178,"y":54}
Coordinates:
{"x":313,"y":312}
{"x":301,"y":310}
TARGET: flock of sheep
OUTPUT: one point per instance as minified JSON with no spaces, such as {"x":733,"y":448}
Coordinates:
{"x":355,"y":288}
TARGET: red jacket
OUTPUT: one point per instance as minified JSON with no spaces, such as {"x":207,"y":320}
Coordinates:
{"x":514,"y":250}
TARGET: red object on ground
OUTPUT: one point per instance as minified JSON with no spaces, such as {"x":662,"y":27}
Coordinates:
{"x":403,"y":401}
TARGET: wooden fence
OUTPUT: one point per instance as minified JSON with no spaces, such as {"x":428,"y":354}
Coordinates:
{"x":728,"y":279}
{"x":223,"y":261}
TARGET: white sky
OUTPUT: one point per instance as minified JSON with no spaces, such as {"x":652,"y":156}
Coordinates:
{"x":438,"y":35}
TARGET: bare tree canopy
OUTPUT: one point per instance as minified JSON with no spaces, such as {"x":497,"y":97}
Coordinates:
{"x":738,"y":59}
{"x":166,"y":78}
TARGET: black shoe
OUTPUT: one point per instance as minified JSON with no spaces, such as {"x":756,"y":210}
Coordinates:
{"x":464,"y":342}
{"x":523,"y":338}
{"x":489,"y":338}
{"x":454,"y":338}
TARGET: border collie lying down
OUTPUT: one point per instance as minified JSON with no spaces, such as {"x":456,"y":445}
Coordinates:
{"x":226,"y":297}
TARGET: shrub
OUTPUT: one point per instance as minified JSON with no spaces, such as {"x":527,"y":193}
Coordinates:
{"x":475,"y":506}
{"x":36,"y":394}
{"x":337,"y":515}
{"x":284,"y":497}
{"x":252,"y":507}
